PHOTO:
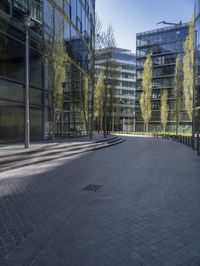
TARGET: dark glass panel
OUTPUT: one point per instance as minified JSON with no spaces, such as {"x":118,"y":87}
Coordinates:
{"x":5,"y":5}
{"x":35,"y":96}
{"x":12,"y":61}
{"x":36,"y":123}
{"x":35,"y":69}
{"x":11,"y":91}
{"x":197,"y":8}
{"x":73,"y":11}
{"x":11,"y":121}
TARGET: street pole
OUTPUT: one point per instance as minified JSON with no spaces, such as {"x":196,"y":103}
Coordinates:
{"x":28,"y":23}
{"x":27,"y":79}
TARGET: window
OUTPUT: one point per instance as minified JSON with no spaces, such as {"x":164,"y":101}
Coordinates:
{"x":73,"y":11}
{"x":11,"y":91}
{"x":5,"y":5}
{"x":11,"y":120}
{"x":11,"y":58}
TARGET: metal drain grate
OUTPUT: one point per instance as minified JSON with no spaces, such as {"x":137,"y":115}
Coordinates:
{"x":93,"y":188}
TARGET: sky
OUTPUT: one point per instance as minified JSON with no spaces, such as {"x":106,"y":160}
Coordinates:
{"x":129,"y":17}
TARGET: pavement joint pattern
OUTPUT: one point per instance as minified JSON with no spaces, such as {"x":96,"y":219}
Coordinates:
{"x":147,"y":213}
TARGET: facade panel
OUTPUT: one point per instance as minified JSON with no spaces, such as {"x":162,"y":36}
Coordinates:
{"x":163,"y":45}
{"x":124,"y":63}
{"x":77,"y":18}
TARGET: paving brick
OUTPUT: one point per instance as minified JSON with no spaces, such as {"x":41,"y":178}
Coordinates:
{"x":147,"y":212}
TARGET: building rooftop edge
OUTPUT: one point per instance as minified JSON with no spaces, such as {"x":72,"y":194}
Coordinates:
{"x":128,"y":51}
{"x":163,"y":29}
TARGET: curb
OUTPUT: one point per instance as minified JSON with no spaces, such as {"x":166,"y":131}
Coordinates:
{"x":91,"y":147}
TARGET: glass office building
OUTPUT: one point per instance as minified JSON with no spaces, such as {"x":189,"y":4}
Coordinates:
{"x":12,"y":71}
{"x":197,"y":66}
{"x":77,"y":17}
{"x":124,"y":63}
{"x":163,"y":45}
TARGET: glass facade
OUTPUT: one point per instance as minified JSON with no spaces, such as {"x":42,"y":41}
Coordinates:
{"x":12,"y":72}
{"x":77,"y":18}
{"x":197,"y":65}
{"x":163,"y":45}
{"x":123,"y":117}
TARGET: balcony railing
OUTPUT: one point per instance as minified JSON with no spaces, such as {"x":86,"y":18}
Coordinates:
{"x":36,"y":9}
{"x":21,"y":7}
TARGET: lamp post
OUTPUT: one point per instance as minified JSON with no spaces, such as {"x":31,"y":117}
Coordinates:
{"x":28,"y":23}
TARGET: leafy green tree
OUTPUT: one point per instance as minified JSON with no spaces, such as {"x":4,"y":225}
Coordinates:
{"x":188,"y":68}
{"x":145,"y":100}
{"x":85,"y":100}
{"x":164,"y":110}
{"x":178,"y":89}
{"x":57,"y":61}
{"x":99,"y":100}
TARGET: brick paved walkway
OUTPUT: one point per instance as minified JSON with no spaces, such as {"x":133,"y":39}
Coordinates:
{"x":147,"y":211}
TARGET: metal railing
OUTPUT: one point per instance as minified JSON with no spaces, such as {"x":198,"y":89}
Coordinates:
{"x":21,"y":5}
{"x":163,"y":29}
{"x":35,"y":8}
{"x":184,"y":139}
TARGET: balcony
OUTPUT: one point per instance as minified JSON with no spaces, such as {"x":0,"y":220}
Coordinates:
{"x":36,"y":9}
{"x":20,"y":7}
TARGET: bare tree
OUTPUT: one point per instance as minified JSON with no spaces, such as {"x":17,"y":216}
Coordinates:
{"x":98,"y":33}
{"x":108,"y":41}
{"x":113,"y":75}
{"x":105,"y":41}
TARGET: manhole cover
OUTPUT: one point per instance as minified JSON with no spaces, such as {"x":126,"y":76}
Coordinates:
{"x":94,"y":188}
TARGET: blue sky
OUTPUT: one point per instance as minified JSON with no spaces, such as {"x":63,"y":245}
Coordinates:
{"x":131,"y":16}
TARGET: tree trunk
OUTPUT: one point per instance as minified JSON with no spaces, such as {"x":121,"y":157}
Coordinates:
{"x":62,"y":124}
{"x":101,"y":124}
{"x":177,"y":122}
{"x":113,"y":119}
{"x":54,"y":122}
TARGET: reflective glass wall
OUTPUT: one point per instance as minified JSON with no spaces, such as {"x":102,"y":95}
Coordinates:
{"x":163,"y":45}
{"x":12,"y":73}
{"x":123,"y":80}
{"x":77,"y":18}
